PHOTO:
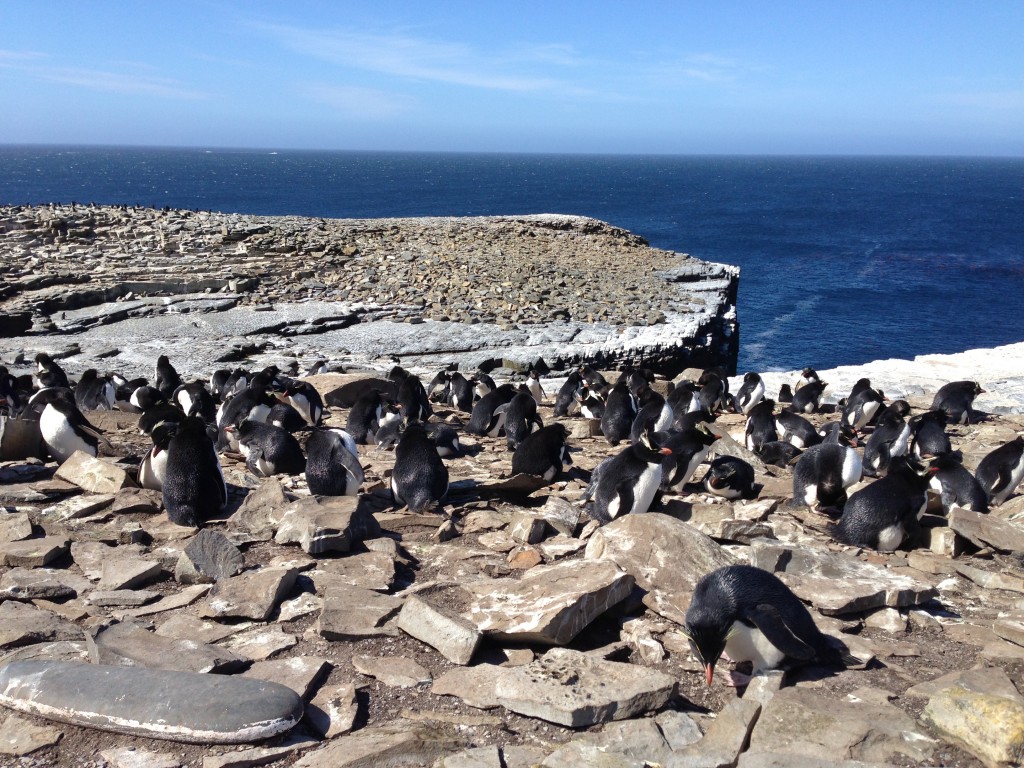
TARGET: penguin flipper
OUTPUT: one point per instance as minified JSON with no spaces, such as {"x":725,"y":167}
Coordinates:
{"x":252,"y":461}
{"x":770,"y":621}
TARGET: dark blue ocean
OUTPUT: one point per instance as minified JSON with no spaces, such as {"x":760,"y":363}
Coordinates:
{"x":844,"y":260}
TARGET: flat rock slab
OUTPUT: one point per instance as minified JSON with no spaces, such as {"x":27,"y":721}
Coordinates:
{"x":333,"y":524}
{"x":333,"y":711}
{"x":208,"y":557}
{"x":987,"y":530}
{"x":76,"y":507}
{"x":24,"y":624}
{"x":666,"y":556}
{"x":33,"y":553}
{"x":42,"y":584}
{"x":300,"y":673}
{"x":550,"y":604}
{"x":802,"y":722}
{"x":14,"y":526}
{"x":92,"y":474}
{"x":573,"y":689}
{"x":128,"y":572}
{"x":19,"y":737}
{"x":430,"y":622}
{"x":989,"y":726}
{"x":837,"y":583}
{"x":129,"y":757}
{"x":352,"y":613}
{"x":251,"y":595}
{"x":159,"y":704}
{"x":386,"y":745}
{"x":370,"y":570}
{"x":131,"y":645}
{"x":395,"y":671}
{"x":259,"y":643}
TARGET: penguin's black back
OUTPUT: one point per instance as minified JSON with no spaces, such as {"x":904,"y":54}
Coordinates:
{"x":619,"y":412}
{"x":760,"y":428}
{"x":955,"y":400}
{"x":959,"y":487}
{"x":567,"y":393}
{"x":362,"y":416}
{"x":520,"y":417}
{"x":778,"y":453}
{"x":895,"y":499}
{"x":996,"y":470}
{"x":483,"y":412}
{"x":929,"y":434}
{"x":193,"y":486}
{"x":732,"y":473}
{"x":807,"y":399}
{"x":277,"y":445}
{"x":331,"y":467}
{"x":540,"y":451}
{"x":420,"y":476}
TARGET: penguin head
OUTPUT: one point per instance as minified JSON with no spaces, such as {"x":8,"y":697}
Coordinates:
{"x":708,"y":631}
{"x":751,"y":378}
{"x":162,"y":434}
{"x":655,"y":442}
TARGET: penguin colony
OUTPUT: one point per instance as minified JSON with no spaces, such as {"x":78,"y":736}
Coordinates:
{"x":658,"y":442}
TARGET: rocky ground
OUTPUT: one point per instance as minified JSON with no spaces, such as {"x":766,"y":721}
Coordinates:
{"x":543,"y":638}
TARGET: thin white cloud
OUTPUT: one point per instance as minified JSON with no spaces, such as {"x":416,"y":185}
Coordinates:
{"x":990,"y":100}
{"x":118,"y":82}
{"x":366,"y":103}
{"x":19,"y":57}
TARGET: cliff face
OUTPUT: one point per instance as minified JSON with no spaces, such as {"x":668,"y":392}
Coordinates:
{"x":429,"y":291}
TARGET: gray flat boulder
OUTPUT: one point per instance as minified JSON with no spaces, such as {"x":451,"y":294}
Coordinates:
{"x":666,"y":557}
{"x":24,"y":624}
{"x":153,"y":703}
{"x":33,"y":553}
{"x":250,"y":595}
{"x":987,"y":530}
{"x":838,"y":583}
{"x":92,"y":474}
{"x":352,"y":613}
{"x":430,"y":622}
{"x":131,"y":645}
{"x":42,"y":584}
{"x":550,"y":604}
{"x":208,"y":557}
{"x":332,"y":524}
{"x":574,"y":689}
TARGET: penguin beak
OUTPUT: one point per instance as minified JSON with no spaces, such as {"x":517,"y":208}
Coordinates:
{"x":665,"y":451}
{"x":709,"y":671}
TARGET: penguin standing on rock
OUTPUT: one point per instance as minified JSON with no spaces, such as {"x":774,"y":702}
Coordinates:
{"x":94,"y":392}
{"x":534,"y":385}
{"x":779,"y":453}
{"x":303,"y":397}
{"x":956,"y":399}
{"x":890,"y":438}
{"x":785,"y":394}
{"x":824,"y":471}
{"x":928,"y":434}
{"x":877,"y":516}
{"x":683,"y":400}
{"x":690,"y":449}
{"x":654,"y":414}
{"x":955,"y":485}
{"x":420,"y":478}
{"x":1001,"y":471}
{"x":863,"y":404}
{"x":543,"y":453}
{"x":49,"y":374}
{"x":194,"y":488}
{"x":332,"y":463}
{"x":488,"y":417}
{"x":714,"y":390}
{"x":619,"y":413}
{"x":750,"y":393}
{"x":808,"y":376}
{"x":795,"y":429}
{"x":196,"y":400}
{"x":167,"y":379}
{"x":153,"y":468}
{"x":565,"y":400}
{"x":460,"y":392}
{"x":750,"y":614}
{"x":628,"y":482}
{"x":521,"y":417}
{"x":63,"y":427}
{"x":760,"y":425}
{"x":591,"y":405}
{"x":287,"y":418}
{"x":368,"y":414}
{"x":446,"y":440}
{"x":730,"y":478}
{"x":807,"y":399}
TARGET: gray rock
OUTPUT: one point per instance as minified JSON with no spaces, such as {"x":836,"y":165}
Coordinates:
{"x":131,"y":645}
{"x":768,"y":760}
{"x":251,"y":595}
{"x":23,"y":624}
{"x":128,"y":572}
{"x":369,"y":570}
{"x":666,"y":557}
{"x":679,"y":729}
{"x":130,"y":757}
{"x":638,"y":740}
{"x":93,"y":475}
{"x":561,"y":515}
{"x":19,"y":737}
{"x":262,"y":509}
{"x":171,"y":602}
{"x":455,"y":638}
{"x":394,"y":671}
{"x":574,"y":689}
{"x":300,"y":673}
{"x":61,"y":650}
{"x":477,"y":757}
{"x":122,"y":598}
{"x":137,"y":501}
{"x":332,"y":524}
{"x":184,"y":626}
{"x":351,"y":613}
{"x":386,"y":745}
{"x":724,"y":739}
{"x":990,"y":727}
{"x":992,"y":681}
{"x":33,"y":553}
{"x":984,"y":530}
{"x":153,"y":703}
{"x":249,"y":758}
{"x":475,"y":686}
{"x":41,"y":584}
{"x":208,"y":557}
{"x":333,"y":710}
{"x":259,"y":643}
{"x":527,"y":529}
{"x":550,"y":604}
{"x":837,"y":583}
{"x":1010,"y":628}
{"x":989,"y":579}
{"x":14,"y":526}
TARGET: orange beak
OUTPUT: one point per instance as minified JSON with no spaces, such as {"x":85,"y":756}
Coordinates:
{"x":709,"y":670}
{"x":665,"y":451}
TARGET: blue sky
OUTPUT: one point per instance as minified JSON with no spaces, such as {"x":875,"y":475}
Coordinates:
{"x":770,"y":77}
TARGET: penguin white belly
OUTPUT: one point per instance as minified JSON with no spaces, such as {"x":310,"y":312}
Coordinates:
{"x":259,"y":413}
{"x":153,"y":470}
{"x":60,"y":437}
{"x":796,"y":441}
{"x":499,"y":424}
{"x":588,"y":412}
{"x":749,"y":644}
{"x":664,"y":419}
{"x":691,"y":468}
{"x":866,"y":413}
{"x":1016,"y":475}
{"x":645,"y":488}
{"x":725,"y":493}
{"x":889,"y":539}
{"x":902,"y":443}
{"x":185,"y":401}
{"x":852,"y":467}
{"x":750,"y":442}
{"x":935,"y":484}
{"x":811,"y":494}
{"x":549,"y":475}
{"x":109,"y":396}
{"x":755,"y":397}
{"x":694,"y":405}
{"x":535,"y":389}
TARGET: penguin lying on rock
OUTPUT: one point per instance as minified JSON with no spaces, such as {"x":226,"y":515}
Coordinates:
{"x":750,"y":394}
{"x":956,"y":400}
{"x":63,"y":427}
{"x":824,"y":471}
{"x":543,"y":453}
{"x":730,"y":478}
{"x":751,"y":615}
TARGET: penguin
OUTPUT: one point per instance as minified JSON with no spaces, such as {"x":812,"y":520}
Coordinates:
{"x":778,"y":453}
{"x":304,"y":398}
{"x":751,"y":615}
{"x":332,"y":463}
{"x":287,"y":418}
{"x":521,"y":417}
{"x":807,"y":376}
{"x":488,"y":417}
{"x":412,"y":397}
{"x":268,"y":450}
{"x":49,"y":374}
{"x":628,"y":482}
{"x":534,"y":385}
{"x":10,"y":399}
{"x":683,"y":399}
{"x":955,"y":485}
{"x":63,"y":427}
{"x":460,"y":392}
{"x":195,"y":399}
{"x":482,"y":385}
{"x":890,"y":438}
{"x":877,"y":516}
{"x":750,"y":394}
{"x":595,"y":380}
{"x":367,"y":415}
{"x":956,"y":399}
{"x":420,"y":478}
{"x":194,"y":488}
{"x":389,"y":434}
{"x":157,"y":413}
{"x":637,"y":380}
{"x":785,"y":394}
{"x":823,"y":472}
{"x":565,"y":400}
{"x":619,"y":413}
{"x":225,"y":384}
{"x":251,"y":404}
{"x":807,"y":399}
{"x":928,"y":434}
{"x":796,"y":430}
{"x":446,"y":440}
{"x":862,"y":405}
{"x":153,"y":467}
{"x":591,"y":406}
{"x":760,"y":427}
{"x":142,"y":397}
{"x":438,"y":388}
{"x":94,"y":392}
{"x":543,"y":453}
{"x":730,"y":477}
{"x":1001,"y":471}
{"x":714,"y":389}
{"x":690,"y":449}
{"x":654,"y":414}
{"x":167,"y":379}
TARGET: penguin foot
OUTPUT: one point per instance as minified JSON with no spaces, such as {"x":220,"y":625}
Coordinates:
{"x":737,"y":679}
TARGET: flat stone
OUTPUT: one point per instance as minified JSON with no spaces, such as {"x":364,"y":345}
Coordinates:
{"x":153,"y":703}
{"x":251,"y":595}
{"x":41,"y":584}
{"x":128,"y":572}
{"x":451,"y":635}
{"x":33,"y":553}
{"x":990,"y":580}
{"x":332,"y":524}
{"x":768,"y":760}
{"x":986,"y":530}
{"x":990,"y":727}
{"x":992,"y":681}
{"x":172,"y":602}
{"x":303,"y":605}
{"x":131,"y":645}
{"x":475,"y":686}
{"x":802,"y":722}
{"x":837,"y":583}
{"x":550,"y":604}
{"x":24,"y":624}
{"x":77,"y":507}
{"x":394,"y":671}
{"x":60,"y":650}
{"x":764,"y":685}
{"x":184,"y":626}
{"x":477,"y":757}
{"x":300,"y":673}
{"x":574,"y":689}
{"x":130,"y":757}
{"x":137,"y":501}
{"x":333,"y":711}
{"x":724,"y":740}
{"x":369,"y":570}
{"x":14,"y":526}
{"x":385,"y":745}
{"x":90,"y":555}
{"x":527,"y":529}
{"x":561,"y":515}
{"x":679,"y":729}
{"x":887,"y":620}
{"x":255,"y":756}
{"x":352,"y":613}
{"x":19,"y":737}
{"x":627,"y":744}
{"x":1011,"y":629}
{"x":121,"y":598}
{"x":208,"y":557}
{"x":92,"y":474}
{"x":262,"y":509}
{"x":259,"y":643}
